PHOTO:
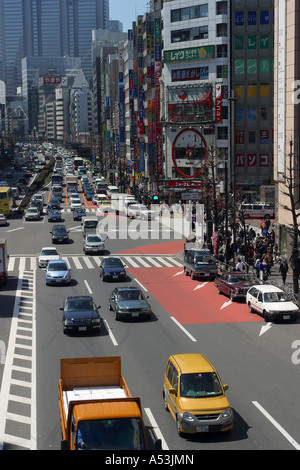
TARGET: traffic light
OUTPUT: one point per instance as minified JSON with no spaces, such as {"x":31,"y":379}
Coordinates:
{"x":156,"y":198}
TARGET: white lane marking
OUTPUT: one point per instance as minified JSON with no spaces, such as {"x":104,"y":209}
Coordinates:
{"x":131,"y":262}
{"x":184,"y":330}
{"x":141,"y":285}
{"x":113,"y":339}
{"x":277,"y":425}
{"x":88,"y":287}
{"x":156,"y":428}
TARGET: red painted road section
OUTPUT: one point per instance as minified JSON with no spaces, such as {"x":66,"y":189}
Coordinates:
{"x":178,"y":296}
{"x":169,"y":248}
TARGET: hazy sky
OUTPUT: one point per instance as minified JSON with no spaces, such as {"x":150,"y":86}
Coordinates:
{"x":127,"y":11}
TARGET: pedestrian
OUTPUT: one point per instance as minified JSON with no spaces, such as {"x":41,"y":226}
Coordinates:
{"x":240,"y":266}
{"x":283,"y":269}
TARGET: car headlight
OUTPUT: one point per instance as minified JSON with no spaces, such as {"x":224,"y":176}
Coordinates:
{"x":188,"y":416}
{"x":227,"y":413}
{"x":96,"y":320}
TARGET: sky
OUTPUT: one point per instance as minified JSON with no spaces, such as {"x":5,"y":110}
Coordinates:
{"x":127,"y":11}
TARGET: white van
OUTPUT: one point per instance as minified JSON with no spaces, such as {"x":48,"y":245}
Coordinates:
{"x":111,"y":190}
{"x":259,"y":210}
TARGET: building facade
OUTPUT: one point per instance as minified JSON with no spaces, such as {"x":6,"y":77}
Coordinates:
{"x":252,"y":63}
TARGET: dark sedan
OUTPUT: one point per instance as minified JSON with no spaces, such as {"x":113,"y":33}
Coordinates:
{"x":112,"y":268}
{"x":54,"y":203}
{"x":78,"y":214}
{"x":60,"y":234}
{"x":54,"y":215}
{"x":80,"y":315}
{"x":129,"y":302}
{"x":235,"y":284}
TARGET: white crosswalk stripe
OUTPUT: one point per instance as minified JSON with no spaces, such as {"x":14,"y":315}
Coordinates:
{"x":23,"y":263}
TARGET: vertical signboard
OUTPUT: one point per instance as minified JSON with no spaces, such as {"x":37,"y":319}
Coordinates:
{"x":157,"y":72}
{"x":218,"y":102}
{"x":281,"y":85}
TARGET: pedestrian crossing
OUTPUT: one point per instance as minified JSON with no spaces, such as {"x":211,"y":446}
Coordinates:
{"x":80,"y":262}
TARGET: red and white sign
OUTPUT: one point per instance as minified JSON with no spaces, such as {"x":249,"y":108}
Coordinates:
{"x":218,"y":103}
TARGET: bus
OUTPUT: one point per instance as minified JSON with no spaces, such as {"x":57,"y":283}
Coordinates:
{"x":6,"y":200}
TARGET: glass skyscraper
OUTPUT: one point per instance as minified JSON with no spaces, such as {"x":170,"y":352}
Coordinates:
{"x":47,"y":28}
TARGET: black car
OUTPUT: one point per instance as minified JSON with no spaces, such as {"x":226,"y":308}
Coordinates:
{"x":54,"y":215}
{"x":78,"y":214}
{"x":80,"y":315}
{"x":60,"y":234}
{"x":54,"y":203}
{"x":112,"y":268}
{"x":89,"y":195}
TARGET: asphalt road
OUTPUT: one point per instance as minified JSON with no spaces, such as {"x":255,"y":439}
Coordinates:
{"x":188,"y":316}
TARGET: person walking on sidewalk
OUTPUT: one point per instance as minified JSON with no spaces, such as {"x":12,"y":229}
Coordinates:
{"x":283,"y":269}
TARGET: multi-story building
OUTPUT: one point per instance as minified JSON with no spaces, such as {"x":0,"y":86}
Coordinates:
{"x":195,"y":86}
{"x":47,"y":28}
{"x":286,"y":117}
{"x":252,"y":62}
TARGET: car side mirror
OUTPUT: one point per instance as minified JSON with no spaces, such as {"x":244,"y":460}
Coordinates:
{"x":99,"y":306}
{"x":173,"y":391}
{"x":226,"y":387}
{"x":60,"y":308}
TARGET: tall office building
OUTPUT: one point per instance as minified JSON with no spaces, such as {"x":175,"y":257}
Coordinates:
{"x":47,"y":28}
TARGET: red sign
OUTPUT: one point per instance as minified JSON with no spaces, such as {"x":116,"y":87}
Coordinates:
{"x":52,"y":80}
{"x":218,"y":103}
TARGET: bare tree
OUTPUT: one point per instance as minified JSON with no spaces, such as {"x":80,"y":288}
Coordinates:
{"x":291,"y":191}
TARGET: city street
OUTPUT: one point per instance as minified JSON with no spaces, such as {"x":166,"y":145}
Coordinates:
{"x":188,"y":317}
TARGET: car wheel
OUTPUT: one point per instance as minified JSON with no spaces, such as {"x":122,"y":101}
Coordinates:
{"x":250,"y":308}
{"x":231,"y":296}
{"x":117,"y":316}
{"x":109,"y":307}
{"x":192,"y":275}
{"x":266,"y":316}
{"x":219,"y":291}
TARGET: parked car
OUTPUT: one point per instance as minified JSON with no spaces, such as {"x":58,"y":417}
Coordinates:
{"x":79,"y":213}
{"x":112,"y":268}
{"x":3,"y":220}
{"x":235,"y":284}
{"x":129,"y":302}
{"x":92,"y":243}
{"x":57,"y":272}
{"x":60,"y":234}
{"x":54,"y":215}
{"x":32,"y":213}
{"x":199,"y":264}
{"x":195,"y":396}
{"x":272,"y":303}
{"x":258,"y":210}
{"x":47,"y":254}
{"x":80,"y":314}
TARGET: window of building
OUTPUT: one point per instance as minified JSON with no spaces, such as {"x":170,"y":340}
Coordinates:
{"x":222,"y":8}
{"x":222,"y":30}
{"x":221,"y":50}
{"x":191,"y":34}
{"x":189,"y":13}
{"x":222,"y":133}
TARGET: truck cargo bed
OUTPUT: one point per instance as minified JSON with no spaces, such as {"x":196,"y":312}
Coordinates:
{"x":92,"y":393}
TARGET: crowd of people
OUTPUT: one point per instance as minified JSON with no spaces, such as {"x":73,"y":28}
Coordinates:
{"x":255,"y":249}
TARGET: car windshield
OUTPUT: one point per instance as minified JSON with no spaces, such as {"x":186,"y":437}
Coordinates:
{"x":111,"y":434}
{"x":130,"y":295}
{"x":91,"y":223}
{"x":275,"y":297}
{"x":204,"y":259}
{"x":112,"y":263}
{"x":200,"y":385}
{"x":57,"y":267}
{"x":79,"y":304}
{"x":54,"y":213}
{"x":94,"y":239}
{"x":59,"y":229}
{"x":48,"y":252}
{"x":32,"y":210}
{"x":240,"y":278}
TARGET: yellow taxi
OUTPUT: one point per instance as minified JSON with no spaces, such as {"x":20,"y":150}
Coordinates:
{"x":195,"y":396}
